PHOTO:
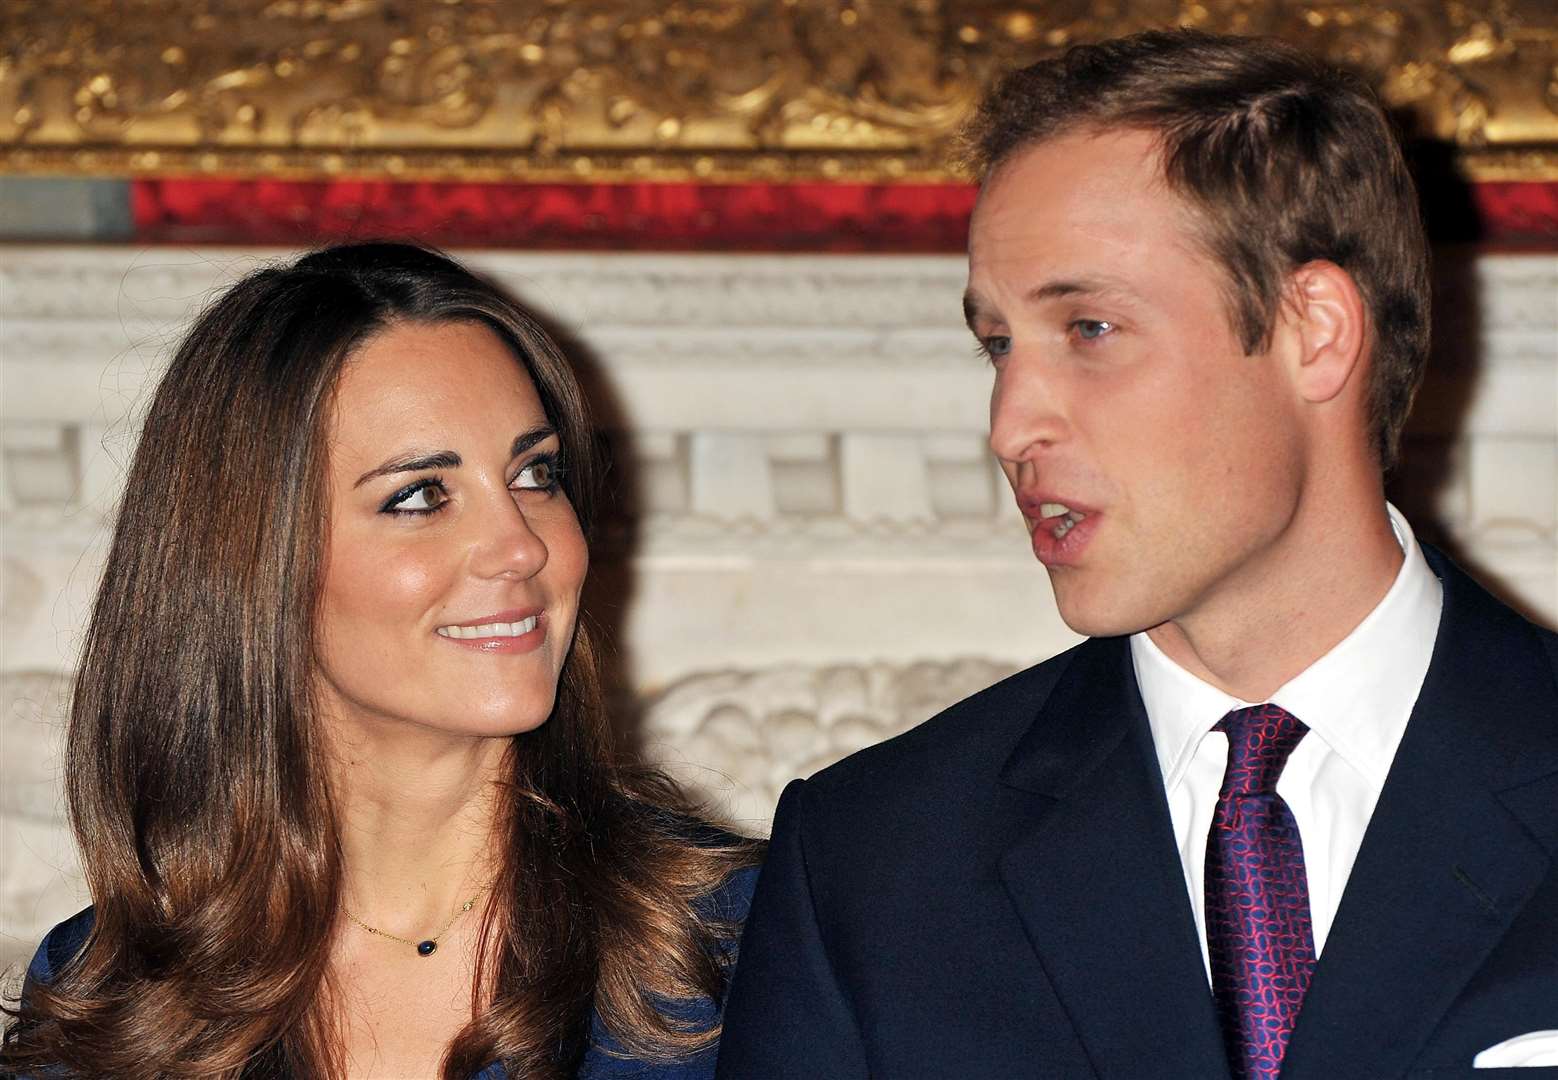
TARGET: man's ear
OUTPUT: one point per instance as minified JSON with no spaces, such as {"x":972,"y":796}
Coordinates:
{"x":1328,"y":322}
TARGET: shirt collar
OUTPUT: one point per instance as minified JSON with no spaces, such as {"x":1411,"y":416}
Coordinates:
{"x":1357,"y":697}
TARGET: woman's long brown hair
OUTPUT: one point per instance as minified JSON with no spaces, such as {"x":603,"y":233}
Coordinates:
{"x":195,"y":771}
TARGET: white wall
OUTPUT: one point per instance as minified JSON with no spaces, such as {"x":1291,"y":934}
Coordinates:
{"x":824,"y":553}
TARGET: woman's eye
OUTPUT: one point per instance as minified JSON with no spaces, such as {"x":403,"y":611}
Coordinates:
{"x":1091,"y":329}
{"x":542,"y":474}
{"x":423,"y":497}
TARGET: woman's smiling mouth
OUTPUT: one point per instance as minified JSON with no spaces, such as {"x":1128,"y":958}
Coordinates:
{"x":491,"y":630}
{"x":500,"y":632}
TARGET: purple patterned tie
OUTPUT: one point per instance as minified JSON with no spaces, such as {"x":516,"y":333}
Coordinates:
{"x":1258,"y":930}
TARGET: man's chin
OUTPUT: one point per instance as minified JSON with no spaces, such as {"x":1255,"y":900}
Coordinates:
{"x":1096,"y":617}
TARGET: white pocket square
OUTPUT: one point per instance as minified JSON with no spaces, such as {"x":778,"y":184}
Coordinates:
{"x":1533,"y":1049}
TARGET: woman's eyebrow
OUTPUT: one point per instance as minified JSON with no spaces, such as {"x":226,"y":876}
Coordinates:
{"x":443,"y":459}
{"x":448,"y":459}
{"x":525,"y":440}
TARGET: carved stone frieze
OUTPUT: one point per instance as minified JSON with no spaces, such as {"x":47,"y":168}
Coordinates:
{"x":695,"y":89}
{"x":764,"y":403}
{"x":737,"y":737}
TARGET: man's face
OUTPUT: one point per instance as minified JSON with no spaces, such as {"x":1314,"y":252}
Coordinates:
{"x":1157,"y":466}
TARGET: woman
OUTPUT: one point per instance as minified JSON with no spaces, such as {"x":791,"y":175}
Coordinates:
{"x":337,"y":762}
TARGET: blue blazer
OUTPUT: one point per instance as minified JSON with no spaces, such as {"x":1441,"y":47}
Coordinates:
{"x":604,"y":1060}
{"x":998,"y":894}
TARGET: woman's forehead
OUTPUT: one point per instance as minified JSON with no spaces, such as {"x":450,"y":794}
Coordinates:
{"x":414,"y":381}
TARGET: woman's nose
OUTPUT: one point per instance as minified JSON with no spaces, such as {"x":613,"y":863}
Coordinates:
{"x":507,"y":541}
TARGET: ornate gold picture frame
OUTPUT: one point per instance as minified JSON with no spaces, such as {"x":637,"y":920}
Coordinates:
{"x":723,"y":90}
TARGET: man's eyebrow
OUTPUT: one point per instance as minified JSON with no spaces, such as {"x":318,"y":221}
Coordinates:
{"x":1052,"y":290}
{"x":971,"y":307}
{"x":448,"y":459}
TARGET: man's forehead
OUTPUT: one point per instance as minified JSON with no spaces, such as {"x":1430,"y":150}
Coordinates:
{"x":1128,"y":144}
{"x":1072,"y":214}
{"x":1075,"y":168}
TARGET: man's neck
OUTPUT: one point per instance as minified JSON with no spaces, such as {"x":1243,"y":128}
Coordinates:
{"x":1289,"y":606}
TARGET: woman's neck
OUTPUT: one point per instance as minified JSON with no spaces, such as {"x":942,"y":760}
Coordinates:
{"x":417,"y":813}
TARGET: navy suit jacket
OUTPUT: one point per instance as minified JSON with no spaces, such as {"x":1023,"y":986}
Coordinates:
{"x":997,"y":894}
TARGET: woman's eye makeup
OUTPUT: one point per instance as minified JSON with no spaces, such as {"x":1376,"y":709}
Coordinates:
{"x":544,"y":472}
{"x":426,"y":496}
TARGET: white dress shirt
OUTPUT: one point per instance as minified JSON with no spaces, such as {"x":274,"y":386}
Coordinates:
{"x":1355,"y":699}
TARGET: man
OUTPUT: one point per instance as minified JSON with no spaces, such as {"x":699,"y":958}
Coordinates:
{"x":1294,"y":805}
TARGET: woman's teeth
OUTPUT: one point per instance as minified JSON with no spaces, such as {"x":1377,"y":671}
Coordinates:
{"x":486,"y":630}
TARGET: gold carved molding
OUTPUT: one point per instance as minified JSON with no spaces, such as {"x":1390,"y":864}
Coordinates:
{"x":722,"y":90}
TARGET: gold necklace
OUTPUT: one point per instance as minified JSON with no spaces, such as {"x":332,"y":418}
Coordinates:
{"x":428,"y":946}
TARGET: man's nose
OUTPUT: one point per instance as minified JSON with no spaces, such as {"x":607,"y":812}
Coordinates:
{"x":1025,"y":412}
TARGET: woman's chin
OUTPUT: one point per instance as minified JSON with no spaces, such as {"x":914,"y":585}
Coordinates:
{"x":501,"y":723}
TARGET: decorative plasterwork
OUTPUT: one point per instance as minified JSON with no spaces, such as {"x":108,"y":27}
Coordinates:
{"x":694,"y":89}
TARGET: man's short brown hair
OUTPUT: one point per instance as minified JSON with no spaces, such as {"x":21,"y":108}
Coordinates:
{"x":1285,"y":160}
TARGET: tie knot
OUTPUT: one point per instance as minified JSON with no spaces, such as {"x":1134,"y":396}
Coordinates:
{"x":1260,"y":738}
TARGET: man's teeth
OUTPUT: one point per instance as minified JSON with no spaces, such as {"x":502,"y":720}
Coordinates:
{"x":1068,"y":517}
{"x":486,"y":630}
{"x":1067,"y":523}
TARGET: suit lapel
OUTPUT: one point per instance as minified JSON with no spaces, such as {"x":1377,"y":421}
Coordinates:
{"x":1094,"y":873}
{"x":1462,"y":835}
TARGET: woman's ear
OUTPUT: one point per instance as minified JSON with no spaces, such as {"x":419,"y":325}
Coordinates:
{"x":1326,"y":316}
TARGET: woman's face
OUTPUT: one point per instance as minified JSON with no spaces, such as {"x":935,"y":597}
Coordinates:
{"x":454,"y":559}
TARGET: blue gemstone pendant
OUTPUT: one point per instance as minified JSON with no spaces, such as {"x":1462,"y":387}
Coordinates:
{"x":427,"y":948}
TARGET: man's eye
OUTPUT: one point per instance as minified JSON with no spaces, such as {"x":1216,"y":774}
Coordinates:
{"x":1091,"y":329}
{"x":423,"y":497}
{"x":996,"y":345}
